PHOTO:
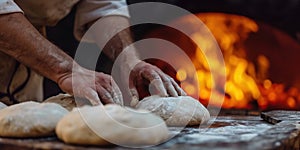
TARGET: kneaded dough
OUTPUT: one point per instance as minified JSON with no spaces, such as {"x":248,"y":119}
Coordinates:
{"x":112,"y":124}
{"x":176,"y":111}
{"x":2,"y":105}
{"x":67,"y":101}
{"x":30,"y":119}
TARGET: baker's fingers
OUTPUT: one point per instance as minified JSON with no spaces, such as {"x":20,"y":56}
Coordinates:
{"x":170,"y":88}
{"x":92,"y":96}
{"x":105,"y":95}
{"x":179,"y":90}
{"x":168,"y":84}
{"x":116,"y":93}
{"x":155,"y":82}
{"x":117,"y":96}
{"x":109,"y":91}
{"x":133,"y":93}
{"x":134,"y":97}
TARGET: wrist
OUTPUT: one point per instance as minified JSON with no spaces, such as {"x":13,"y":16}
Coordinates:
{"x":65,"y":70}
{"x":129,"y":58}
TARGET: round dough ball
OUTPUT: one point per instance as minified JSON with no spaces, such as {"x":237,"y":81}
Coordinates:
{"x":67,"y":101}
{"x":103,"y":125}
{"x":30,"y":119}
{"x":176,"y":111}
{"x":2,"y":105}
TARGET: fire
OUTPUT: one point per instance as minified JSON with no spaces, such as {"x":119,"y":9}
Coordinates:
{"x":247,"y":86}
{"x":247,"y":83}
{"x":229,"y":32}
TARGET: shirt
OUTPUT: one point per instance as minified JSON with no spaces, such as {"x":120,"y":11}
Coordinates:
{"x":49,"y":12}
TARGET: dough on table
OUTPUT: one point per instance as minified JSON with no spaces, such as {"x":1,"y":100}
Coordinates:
{"x":2,"y":105}
{"x":112,"y":124}
{"x":67,"y":101}
{"x":30,"y":119}
{"x":176,"y":111}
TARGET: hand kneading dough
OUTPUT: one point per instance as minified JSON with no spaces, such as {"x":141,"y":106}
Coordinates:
{"x":67,"y":101}
{"x":112,"y":124}
{"x":176,"y":111}
{"x":30,"y":119}
{"x":2,"y":105}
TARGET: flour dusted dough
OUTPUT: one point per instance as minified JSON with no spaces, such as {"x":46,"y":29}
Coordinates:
{"x":2,"y":105}
{"x":176,"y":111}
{"x":30,"y":119}
{"x":112,"y":124}
{"x":67,"y":101}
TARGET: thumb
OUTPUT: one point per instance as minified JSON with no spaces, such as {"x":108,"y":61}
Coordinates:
{"x":92,"y":96}
{"x":133,"y":93}
{"x":134,"y":97}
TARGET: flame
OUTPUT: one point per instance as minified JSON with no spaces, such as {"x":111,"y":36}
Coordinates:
{"x":244,"y":82}
{"x":247,"y":83}
{"x":240,"y":86}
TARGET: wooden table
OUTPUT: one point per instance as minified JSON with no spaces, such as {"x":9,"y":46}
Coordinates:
{"x":226,"y":133}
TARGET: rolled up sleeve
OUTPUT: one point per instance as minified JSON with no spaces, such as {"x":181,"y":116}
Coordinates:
{"x":9,"y":6}
{"x":89,"y":11}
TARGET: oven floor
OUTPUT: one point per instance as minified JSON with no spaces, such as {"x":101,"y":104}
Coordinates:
{"x":226,"y":132}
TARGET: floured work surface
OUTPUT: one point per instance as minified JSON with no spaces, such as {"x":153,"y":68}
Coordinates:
{"x":227,"y":132}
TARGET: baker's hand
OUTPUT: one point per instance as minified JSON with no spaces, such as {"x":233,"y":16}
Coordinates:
{"x":159,"y":82}
{"x":95,"y":86}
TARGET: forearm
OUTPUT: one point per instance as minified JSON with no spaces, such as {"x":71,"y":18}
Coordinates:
{"x":20,"y":40}
{"x":107,"y":28}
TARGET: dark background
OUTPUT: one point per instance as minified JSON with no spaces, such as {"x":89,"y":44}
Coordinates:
{"x":282,"y":14}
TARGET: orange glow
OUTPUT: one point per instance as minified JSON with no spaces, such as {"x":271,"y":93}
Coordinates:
{"x":190,"y":89}
{"x":291,"y":102}
{"x":181,"y":75}
{"x":267,"y":84}
{"x":245,"y":82}
{"x":272,"y":96}
{"x":240,"y":86}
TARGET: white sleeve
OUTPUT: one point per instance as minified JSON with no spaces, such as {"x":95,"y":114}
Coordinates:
{"x":91,"y":10}
{"x":9,"y":6}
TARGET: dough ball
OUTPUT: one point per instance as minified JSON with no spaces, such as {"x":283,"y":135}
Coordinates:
{"x":67,"y":101}
{"x":112,"y":124}
{"x":2,"y":105}
{"x":30,"y":119}
{"x":176,"y":111}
